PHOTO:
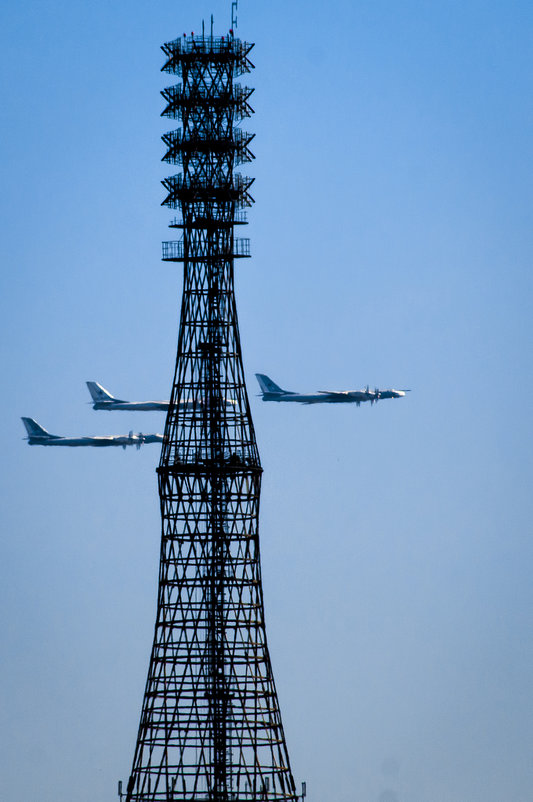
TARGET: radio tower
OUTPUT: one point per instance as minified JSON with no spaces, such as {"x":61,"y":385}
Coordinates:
{"x":210,"y":728}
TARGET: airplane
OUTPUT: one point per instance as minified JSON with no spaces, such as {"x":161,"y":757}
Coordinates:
{"x":102,"y":399}
{"x":37,"y":436}
{"x":272,"y":392}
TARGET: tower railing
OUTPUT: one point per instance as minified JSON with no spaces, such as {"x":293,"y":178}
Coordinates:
{"x":197,"y":50}
{"x":240,"y":218}
{"x":180,"y":100}
{"x":199,"y":141}
{"x":186,"y":189}
{"x":175,"y":251}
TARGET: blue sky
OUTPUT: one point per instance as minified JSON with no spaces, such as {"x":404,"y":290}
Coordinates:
{"x":391,"y":242}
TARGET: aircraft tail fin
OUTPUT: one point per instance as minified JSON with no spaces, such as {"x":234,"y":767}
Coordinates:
{"x":99,"y":393}
{"x":267,"y":385}
{"x":34,"y":430}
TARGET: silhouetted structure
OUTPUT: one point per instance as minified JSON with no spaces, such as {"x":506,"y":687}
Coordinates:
{"x":210,"y":727}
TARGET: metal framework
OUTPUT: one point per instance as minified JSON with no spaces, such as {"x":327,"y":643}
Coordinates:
{"x":210,"y":728}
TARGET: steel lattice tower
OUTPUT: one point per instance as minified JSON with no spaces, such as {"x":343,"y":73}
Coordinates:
{"x":210,"y":728}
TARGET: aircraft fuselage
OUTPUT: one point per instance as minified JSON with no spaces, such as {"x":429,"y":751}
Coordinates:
{"x":351,"y":397}
{"x":85,"y":441}
{"x":133,"y":406}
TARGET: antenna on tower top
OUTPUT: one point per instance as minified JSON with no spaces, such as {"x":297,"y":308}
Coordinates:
{"x":234,"y":4}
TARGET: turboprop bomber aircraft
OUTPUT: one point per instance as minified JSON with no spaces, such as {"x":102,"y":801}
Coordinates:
{"x":102,"y":399}
{"x":37,"y":436}
{"x":271,"y":392}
